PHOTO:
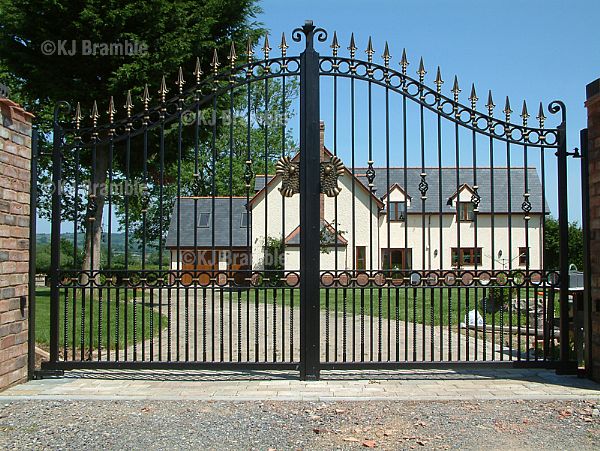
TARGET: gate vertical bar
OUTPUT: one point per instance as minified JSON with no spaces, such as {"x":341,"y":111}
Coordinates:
{"x":55,"y":235}
{"x":563,"y":224}
{"x":32,"y":252}
{"x":309,"y":204}
{"x":587,"y":276}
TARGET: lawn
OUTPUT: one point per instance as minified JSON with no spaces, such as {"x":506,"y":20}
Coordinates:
{"x":126,"y":334}
{"x":420,"y":305}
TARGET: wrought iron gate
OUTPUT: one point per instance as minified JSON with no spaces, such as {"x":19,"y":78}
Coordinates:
{"x":414,"y":236}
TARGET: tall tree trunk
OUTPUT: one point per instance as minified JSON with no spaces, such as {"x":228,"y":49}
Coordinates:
{"x":93,"y":230}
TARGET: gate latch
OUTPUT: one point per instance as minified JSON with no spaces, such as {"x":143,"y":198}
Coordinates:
{"x":290,"y":176}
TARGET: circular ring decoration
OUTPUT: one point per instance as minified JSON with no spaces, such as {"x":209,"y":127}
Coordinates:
{"x":518,"y":278}
{"x":292,"y":279}
{"x":485,"y":278}
{"x":379,"y":279}
{"x":415,"y":278}
{"x":467,"y":278}
{"x":450,"y":278}
{"x":221,"y":279}
{"x":203,"y":279}
{"x":327,"y":279}
{"x":432,"y":278}
{"x":256,"y":279}
{"x":501,"y":278}
{"x":553,"y":278}
{"x":345,"y":279}
{"x":535,"y":278}
{"x":362,"y":279}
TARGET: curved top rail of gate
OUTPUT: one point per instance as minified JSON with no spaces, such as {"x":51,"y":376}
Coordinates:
{"x":235,"y":75}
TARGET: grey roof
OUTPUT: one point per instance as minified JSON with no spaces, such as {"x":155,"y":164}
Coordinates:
{"x":259,"y":182}
{"x":204,"y":234}
{"x":500,"y":177}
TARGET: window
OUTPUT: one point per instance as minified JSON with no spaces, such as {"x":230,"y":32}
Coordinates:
{"x":466,"y":256}
{"x":396,"y":258}
{"x":523,"y":256}
{"x":465,"y":211}
{"x":397,"y":211}
{"x":361,"y":258}
{"x":244,"y":223}
{"x":203,"y":219}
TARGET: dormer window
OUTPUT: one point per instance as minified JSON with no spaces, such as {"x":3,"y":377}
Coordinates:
{"x":396,"y":211}
{"x":203,"y":219}
{"x":466,"y":211}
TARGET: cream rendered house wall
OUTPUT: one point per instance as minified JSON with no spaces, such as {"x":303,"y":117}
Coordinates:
{"x":423,"y":231}
{"x":275,"y":226}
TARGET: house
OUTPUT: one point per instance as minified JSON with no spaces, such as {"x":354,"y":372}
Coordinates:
{"x":394,"y":223}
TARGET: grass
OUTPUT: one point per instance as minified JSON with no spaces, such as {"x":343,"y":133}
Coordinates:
{"x":126,"y":334}
{"x":421,"y":305}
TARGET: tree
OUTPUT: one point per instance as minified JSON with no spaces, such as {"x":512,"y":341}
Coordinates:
{"x":227,"y":162}
{"x":175,"y":32}
{"x":552,"y":244}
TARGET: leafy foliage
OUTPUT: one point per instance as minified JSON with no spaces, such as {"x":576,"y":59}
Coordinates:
{"x":552,"y":244}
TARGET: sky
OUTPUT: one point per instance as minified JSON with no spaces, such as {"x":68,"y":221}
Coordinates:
{"x":528,"y":50}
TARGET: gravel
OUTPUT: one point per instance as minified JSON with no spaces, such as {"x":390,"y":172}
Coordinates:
{"x":299,"y":425}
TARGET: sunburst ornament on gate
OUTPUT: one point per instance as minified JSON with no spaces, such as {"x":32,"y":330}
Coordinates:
{"x":290,"y":176}
{"x":330,"y":171}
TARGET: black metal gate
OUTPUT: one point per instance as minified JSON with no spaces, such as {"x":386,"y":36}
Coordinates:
{"x":414,"y":234}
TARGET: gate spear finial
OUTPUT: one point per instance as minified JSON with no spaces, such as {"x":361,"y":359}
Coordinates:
{"x":473,"y":97}
{"x":421,"y":71}
{"x":386,"y":55}
{"x":370,"y":50}
{"x":524,"y":113}
{"x":78,"y":116}
{"x":283,"y":46}
{"x":180,"y":80}
{"x":111,"y":110}
{"x":404,"y":62}
{"x":334,"y":45}
{"x":146,"y":97}
{"x":232,"y":55}
{"x":455,"y":89}
{"x":490,"y":103}
{"x":541,"y":117}
{"x":215,"y":62}
{"x":249,"y":51}
{"x":352,"y":47}
{"x":198,"y":71}
{"x":128,"y":104}
{"x":507,"y":109}
{"x":163,"y":90}
{"x":95,"y":115}
{"x":438,"y":80}
{"x":266,"y":48}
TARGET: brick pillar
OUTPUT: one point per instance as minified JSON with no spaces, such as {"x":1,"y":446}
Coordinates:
{"x":593,"y":108}
{"x":15,"y":157}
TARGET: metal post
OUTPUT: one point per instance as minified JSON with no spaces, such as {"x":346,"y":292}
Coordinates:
{"x":55,"y":237}
{"x":32,"y":253}
{"x":309,"y":205}
{"x":587,"y":273}
{"x":563,"y":224}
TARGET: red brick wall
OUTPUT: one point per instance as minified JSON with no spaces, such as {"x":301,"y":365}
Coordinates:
{"x":593,"y":108}
{"x":15,"y":156}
